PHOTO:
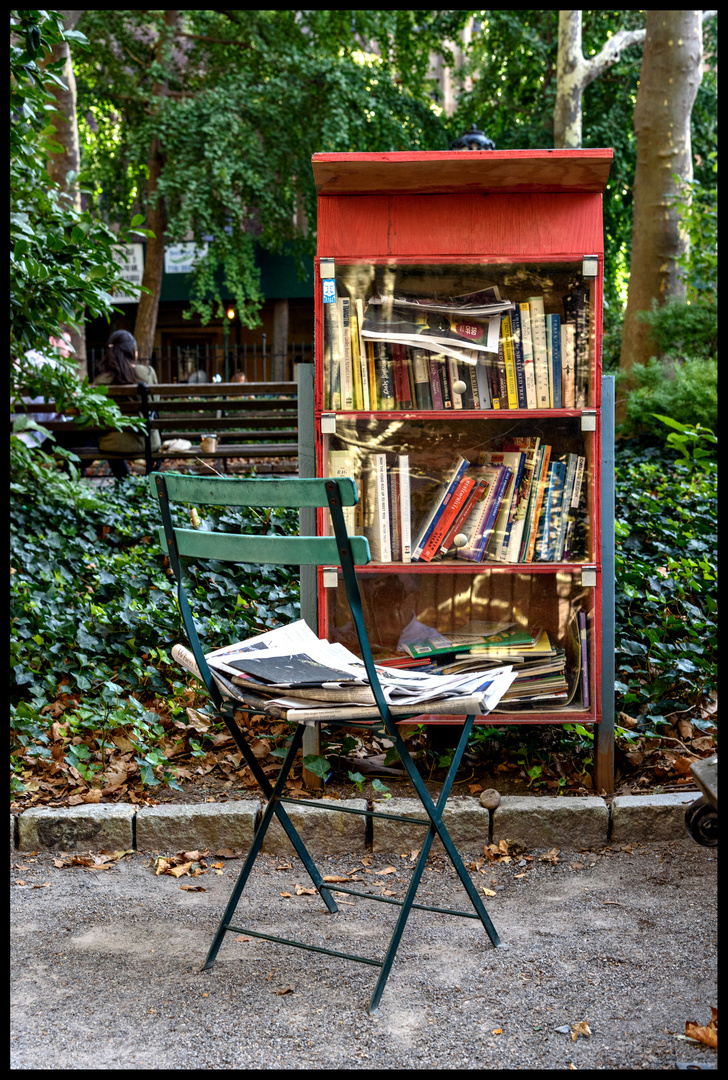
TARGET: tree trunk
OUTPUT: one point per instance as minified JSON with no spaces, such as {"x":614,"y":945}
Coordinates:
{"x":670,"y":75}
{"x":146,"y":320}
{"x":570,"y":75}
{"x":68,"y":159}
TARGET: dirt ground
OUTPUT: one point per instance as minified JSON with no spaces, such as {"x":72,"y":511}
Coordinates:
{"x":610,"y":953}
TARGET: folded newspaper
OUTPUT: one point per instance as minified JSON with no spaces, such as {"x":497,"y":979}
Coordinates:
{"x":291,"y":672}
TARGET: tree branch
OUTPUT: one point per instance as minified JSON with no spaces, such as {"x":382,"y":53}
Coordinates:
{"x":610,"y":52}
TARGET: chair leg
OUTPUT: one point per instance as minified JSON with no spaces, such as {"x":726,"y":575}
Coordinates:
{"x":436,"y":828}
{"x":273,"y":808}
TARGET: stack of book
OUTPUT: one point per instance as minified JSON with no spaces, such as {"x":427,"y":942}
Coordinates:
{"x":520,"y":503}
{"x":472,"y":352}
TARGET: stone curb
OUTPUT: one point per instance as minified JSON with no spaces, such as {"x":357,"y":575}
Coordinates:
{"x":533,"y":821}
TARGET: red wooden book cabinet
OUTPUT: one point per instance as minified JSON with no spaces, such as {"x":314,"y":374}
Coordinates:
{"x":417,"y":372}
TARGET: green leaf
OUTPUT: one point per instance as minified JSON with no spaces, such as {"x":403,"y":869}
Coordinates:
{"x":317,"y":764}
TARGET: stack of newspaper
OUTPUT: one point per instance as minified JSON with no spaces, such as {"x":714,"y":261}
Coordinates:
{"x":289,"y":672}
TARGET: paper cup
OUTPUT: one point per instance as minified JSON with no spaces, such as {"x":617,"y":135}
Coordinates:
{"x":209,"y":443}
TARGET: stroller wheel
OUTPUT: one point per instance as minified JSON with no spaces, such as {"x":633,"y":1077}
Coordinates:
{"x":701,"y":820}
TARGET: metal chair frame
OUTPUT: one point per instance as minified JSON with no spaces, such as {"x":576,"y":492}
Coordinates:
{"x":345,"y":551}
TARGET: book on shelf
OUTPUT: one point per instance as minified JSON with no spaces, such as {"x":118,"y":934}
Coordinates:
{"x":517,"y":345}
{"x":400,"y":510}
{"x":421,"y":371}
{"x":453,"y":377}
{"x":479,"y":525}
{"x":528,"y":445}
{"x":344,"y":463}
{"x":538,"y":487}
{"x":576,"y":311}
{"x":571,"y":462}
{"x":577,"y":508}
{"x":477,"y":494}
{"x":443,"y":494}
{"x":332,"y":354}
{"x":435,"y":383}
{"x":347,"y":372}
{"x":469,"y":373}
{"x":371,"y":374}
{"x":528,"y":360}
{"x":384,"y":372}
{"x":444,"y":523}
{"x":568,"y":379}
{"x":402,"y":392}
{"x":498,"y":542}
{"x":355,"y":364}
{"x":482,"y":380}
{"x":457,"y":643}
{"x":509,"y":364}
{"x":363,"y":359}
{"x":548,"y":522}
{"x":553,"y":348}
{"x":442,"y":374}
{"x":484,"y":302}
{"x":540,"y":352}
{"x":584,"y":660}
{"x":378,"y":530}
{"x":420,"y":327}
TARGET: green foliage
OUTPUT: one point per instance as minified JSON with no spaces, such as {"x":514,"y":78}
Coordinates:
{"x":93,"y":615}
{"x":666,"y":555}
{"x":61,"y":265}
{"x":687,"y":392}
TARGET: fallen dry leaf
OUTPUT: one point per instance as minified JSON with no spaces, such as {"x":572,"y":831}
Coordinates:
{"x":335,"y":878}
{"x":287,"y":895}
{"x":300,"y":891}
{"x":227,"y":853}
{"x":497,"y":1031}
{"x":387,"y":870}
{"x":286,"y":990}
{"x":488,"y":892}
{"x":707,"y":1035}
{"x":580,"y":1028}
{"x":243,"y":937}
{"x":551,"y":856}
{"x":193,"y":888}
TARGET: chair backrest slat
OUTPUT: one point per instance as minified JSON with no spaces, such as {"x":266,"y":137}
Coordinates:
{"x":273,"y":550}
{"x":221,"y":491}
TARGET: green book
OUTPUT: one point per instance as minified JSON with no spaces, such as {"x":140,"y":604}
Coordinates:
{"x":508,"y":637}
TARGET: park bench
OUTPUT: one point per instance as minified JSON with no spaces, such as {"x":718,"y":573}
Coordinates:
{"x":250,"y":420}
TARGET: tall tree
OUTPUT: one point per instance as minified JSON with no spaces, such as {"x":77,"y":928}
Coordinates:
{"x":669,"y":80}
{"x":206,"y":122}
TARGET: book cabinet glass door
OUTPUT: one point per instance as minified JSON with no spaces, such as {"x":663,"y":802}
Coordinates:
{"x":463,"y":399}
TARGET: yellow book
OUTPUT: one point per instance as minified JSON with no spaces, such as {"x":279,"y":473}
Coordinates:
{"x":373,"y":399}
{"x":510,"y":361}
{"x":355,"y":365}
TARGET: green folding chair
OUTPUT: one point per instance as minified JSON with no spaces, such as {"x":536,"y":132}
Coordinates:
{"x":337,"y":550}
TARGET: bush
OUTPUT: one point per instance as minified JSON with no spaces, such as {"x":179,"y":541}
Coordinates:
{"x":93,"y":618}
{"x":686,"y":391}
{"x":666,"y":561}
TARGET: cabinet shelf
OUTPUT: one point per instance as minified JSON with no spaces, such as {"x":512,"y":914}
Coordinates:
{"x":458,"y":382}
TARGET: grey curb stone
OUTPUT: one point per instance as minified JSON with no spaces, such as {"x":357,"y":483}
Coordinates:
{"x":559,"y":821}
{"x":464,"y":818}
{"x":199,"y":825}
{"x":88,"y":827}
{"x":651,"y":817}
{"x":324,"y":832}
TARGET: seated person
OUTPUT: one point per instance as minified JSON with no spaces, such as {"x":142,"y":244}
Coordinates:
{"x":119,"y":368}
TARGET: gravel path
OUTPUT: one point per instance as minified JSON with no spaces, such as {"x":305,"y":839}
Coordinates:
{"x":105,"y":966}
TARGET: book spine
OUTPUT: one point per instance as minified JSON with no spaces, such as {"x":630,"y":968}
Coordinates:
{"x":477,"y":493}
{"x":341,"y":463}
{"x":384,"y":372}
{"x":372,"y":374}
{"x":441,"y":500}
{"x":347,"y":375}
{"x":438,"y":534}
{"x":405,"y":519}
{"x":565,"y":503}
{"x":435,"y":384}
{"x":355,"y":364}
{"x":482,"y":378}
{"x":538,"y":502}
{"x":540,"y":353}
{"x":453,"y":376}
{"x":553,"y":337}
{"x":332,"y":353}
{"x":528,"y":513}
{"x":492,"y":550}
{"x":502,"y":556}
{"x":543,"y":529}
{"x":423,"y":390}
{"x":394,"y":515}
{"x":499,"y":490}
{"x":585,"y":695}
{"x":528,"y":362}
{"x":471,"y":398}
{"x":518,"y":357}
{"x":574,"y":507}
{"x":500,"y":373}
{"x":365,"y":403}
{"x":509,"y":363}
{"x":568,"y":382}
{"x":382,"y":509}
{"x":444,"y":383}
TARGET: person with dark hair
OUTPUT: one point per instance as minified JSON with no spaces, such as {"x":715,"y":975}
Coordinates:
{"x":119,"y":367}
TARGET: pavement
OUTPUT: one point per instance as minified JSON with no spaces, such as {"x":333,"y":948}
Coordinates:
{"x":610,"y":944}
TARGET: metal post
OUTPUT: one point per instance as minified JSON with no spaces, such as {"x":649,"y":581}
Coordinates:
{"x":307,"y":527}
{"x":226,"y":332}
{"x":604,"y":735}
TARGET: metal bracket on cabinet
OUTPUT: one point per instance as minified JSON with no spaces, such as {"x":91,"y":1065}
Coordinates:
{"x":589,"y":420}
{"x":588,"y":577}
{"x":327,"y":269}
{"x":328,"y":423}
{"x":590,"y":266}
{"x":331,"y":577}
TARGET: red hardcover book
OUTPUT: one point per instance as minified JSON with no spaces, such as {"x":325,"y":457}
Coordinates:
{"x":478,"y":491}
{"x":440,"y":531}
